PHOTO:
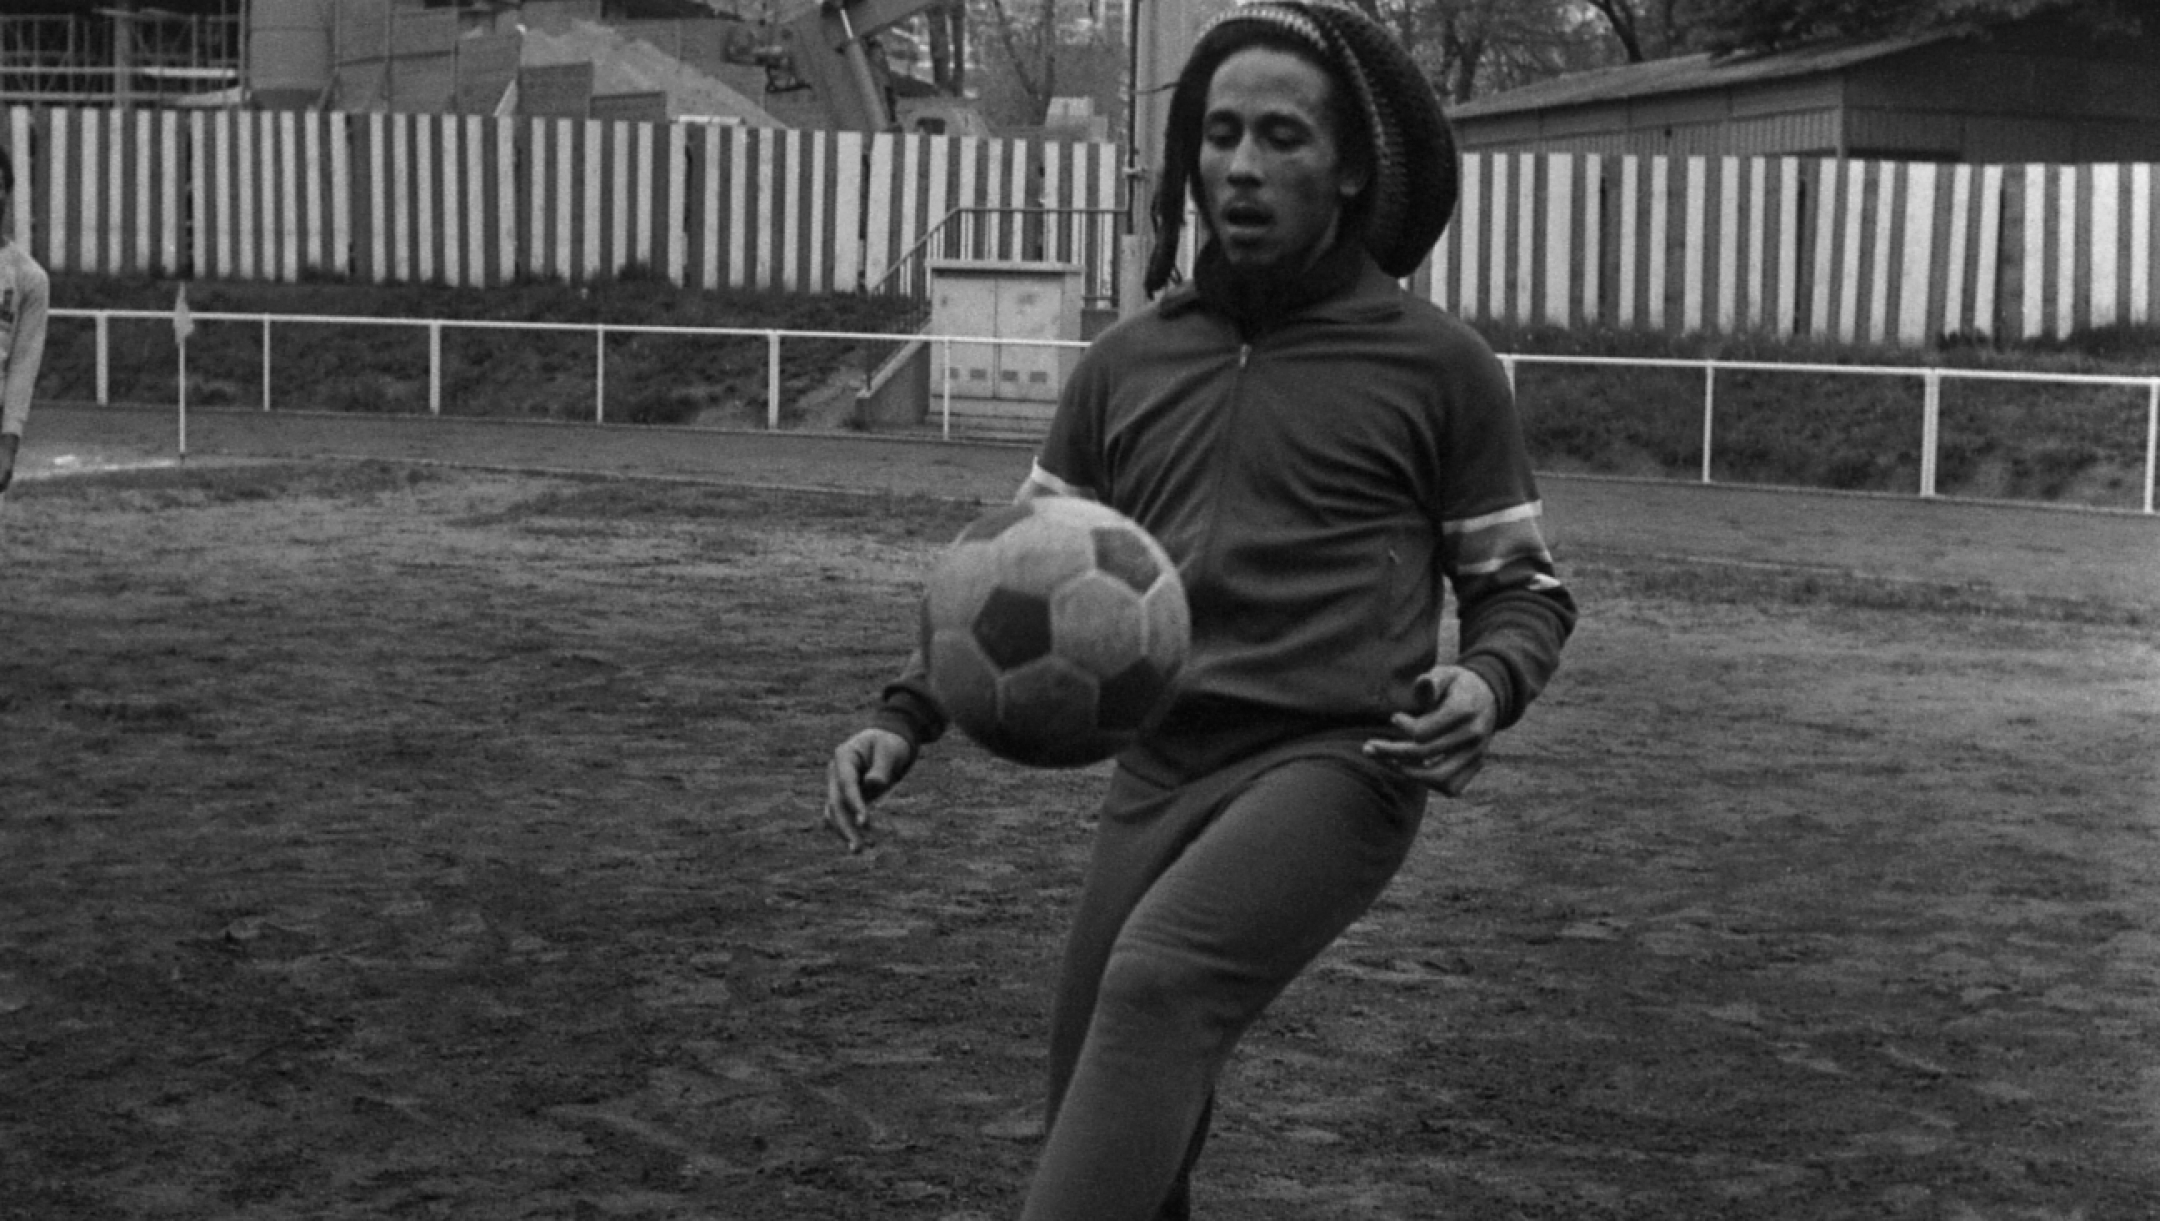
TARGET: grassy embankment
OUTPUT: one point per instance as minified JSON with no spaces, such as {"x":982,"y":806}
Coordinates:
{"x":2021,"y":441}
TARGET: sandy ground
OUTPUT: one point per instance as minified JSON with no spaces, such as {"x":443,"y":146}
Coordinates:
{"x":421,"y":841}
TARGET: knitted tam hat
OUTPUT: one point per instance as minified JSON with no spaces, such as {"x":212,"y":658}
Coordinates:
{"x":1404,"y":133}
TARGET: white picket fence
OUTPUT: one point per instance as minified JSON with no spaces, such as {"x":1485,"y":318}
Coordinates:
{"x":1850,"y":251}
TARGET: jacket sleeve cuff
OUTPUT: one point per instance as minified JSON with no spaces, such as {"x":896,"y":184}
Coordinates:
{"x":907,"y":708}
{"x":1501,"y":679}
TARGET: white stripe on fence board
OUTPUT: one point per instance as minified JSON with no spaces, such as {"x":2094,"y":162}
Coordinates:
{"x":1694,"y":260}
{"x":452,"y":189}
{"x":651,"y":179}
{"x":616,"y":134}
{"x":590,"y":140}
{"x":426,"y":196}
{"x":2034,"y":264}
{"x":1957,"y":309}
{"x":1497,"y":242}
{"x":2106,"y":246}
{"x":1523,"y":280}
{"x":2141,"y":245}
{"x":1759,"y":243}
{"x":739,"y":217}
{"x":144,"y":152}
{"x":1660,"y":237}
{"x":848,"y":153}
{"x":18,"y":152}
{"x":1469,"y":221}
{"x":676,"y":232}
{"x":1916,"y":270}
{"x":1628,"y":239}
{"x":508,"y":134}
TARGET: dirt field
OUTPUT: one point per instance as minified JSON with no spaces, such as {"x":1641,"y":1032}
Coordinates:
{"x":381,"y":840}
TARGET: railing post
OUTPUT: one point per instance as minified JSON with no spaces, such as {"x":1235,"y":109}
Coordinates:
{"x":945,"y":391}
{"x":266,"y":363}
{"x":772,"y":381}
{"x":434,"y":368}
{"x":1507,"y":366}
{"x":104,"y":359}
{"x":599,"y":402}
{"x":1930,"y":430}
{"x":1709,"y":414}
{"x":2152,"y":442}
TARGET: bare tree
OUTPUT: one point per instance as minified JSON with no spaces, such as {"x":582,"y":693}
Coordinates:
{"x":1650,"y":29}
{"x":1472,"y":47}
{"x":1758,"y":25}
{"x":947,"y":24}
{"x":1030,"y":43}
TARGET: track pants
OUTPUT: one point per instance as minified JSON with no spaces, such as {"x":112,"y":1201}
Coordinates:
{"x":1202,"y":902}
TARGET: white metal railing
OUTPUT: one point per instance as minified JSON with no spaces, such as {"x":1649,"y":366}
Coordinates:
{"x":102,"y":319}
{"x":1931,"y":378}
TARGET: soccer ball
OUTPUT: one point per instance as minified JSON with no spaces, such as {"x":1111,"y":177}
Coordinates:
{"x":1051,"y":629}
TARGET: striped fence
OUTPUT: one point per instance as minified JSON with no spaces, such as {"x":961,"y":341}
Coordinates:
{"x":475,"y":201}
{"x":1849,"y":251}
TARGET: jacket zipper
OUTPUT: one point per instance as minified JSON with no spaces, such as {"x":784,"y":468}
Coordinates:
{"x":1234,"y":406}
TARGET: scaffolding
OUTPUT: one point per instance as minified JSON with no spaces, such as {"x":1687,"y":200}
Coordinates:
{"x":124,"y":56}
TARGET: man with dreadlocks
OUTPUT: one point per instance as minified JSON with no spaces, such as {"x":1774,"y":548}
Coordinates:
{"x":1323,"y":455}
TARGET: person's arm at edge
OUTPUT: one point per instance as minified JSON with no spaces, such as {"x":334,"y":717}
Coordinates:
{"x":25,"y":357}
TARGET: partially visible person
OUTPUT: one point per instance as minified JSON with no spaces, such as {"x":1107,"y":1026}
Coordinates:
{"x":25,"y":292}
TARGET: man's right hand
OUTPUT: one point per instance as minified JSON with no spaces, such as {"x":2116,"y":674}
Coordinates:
{"x":863,"y":769}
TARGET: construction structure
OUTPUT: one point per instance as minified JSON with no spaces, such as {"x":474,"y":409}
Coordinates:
{"x":809,"y":64}
{"x":187,"y":53}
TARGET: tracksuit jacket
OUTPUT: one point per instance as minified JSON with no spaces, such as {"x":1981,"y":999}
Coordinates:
{"x":1322,"y":460}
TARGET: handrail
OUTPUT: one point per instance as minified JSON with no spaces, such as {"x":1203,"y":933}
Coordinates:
{"x":911,"y":262}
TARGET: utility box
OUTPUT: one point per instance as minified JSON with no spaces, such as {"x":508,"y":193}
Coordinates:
{"x":1007,"y":389}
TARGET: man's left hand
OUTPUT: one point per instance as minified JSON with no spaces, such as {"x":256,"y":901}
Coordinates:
{"x":1443,"y":745}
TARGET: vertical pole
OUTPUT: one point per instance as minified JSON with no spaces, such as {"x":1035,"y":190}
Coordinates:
{"x":1930,"y":430}
{"x":2152,"y":442}
{"x":104,"y":359}
{"x":945,"y":392}
{"x":266,"y":363}
{"x":1709,"y":414}
{"x":434,"y":368}
{"x":1507,"y":365}
{"x":183,"y":396}
{"x":772,"y":380}
{"x":599,"y":406}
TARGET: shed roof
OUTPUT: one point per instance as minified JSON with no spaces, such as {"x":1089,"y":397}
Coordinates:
{"x":1690,"y":74}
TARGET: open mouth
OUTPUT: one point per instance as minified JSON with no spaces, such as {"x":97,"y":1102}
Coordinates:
{"x":1245,"y":217}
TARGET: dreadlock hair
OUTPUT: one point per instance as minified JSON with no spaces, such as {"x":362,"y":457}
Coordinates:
{"x":1387,"y":116}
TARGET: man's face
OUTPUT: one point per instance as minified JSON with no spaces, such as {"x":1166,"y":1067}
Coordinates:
{"x":1271,"y":162}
